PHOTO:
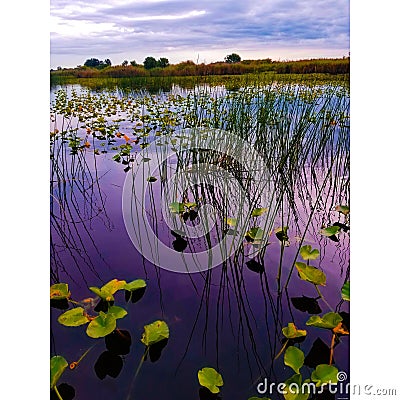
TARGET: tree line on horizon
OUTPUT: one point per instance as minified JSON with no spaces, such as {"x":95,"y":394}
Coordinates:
{"x":232,"y":65}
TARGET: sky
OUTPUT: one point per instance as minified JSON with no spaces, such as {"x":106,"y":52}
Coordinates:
{"x":201,"y":31}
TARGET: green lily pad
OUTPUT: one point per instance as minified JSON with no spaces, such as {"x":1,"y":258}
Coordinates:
{"x":59,"y":291}
{"x":74,"y":317}
{"x":330,"y":231}
{"x":324,"y":374}
{"x":327,"y":321}
{"x":151,"y":179}
{"x":291,"y":332}
{"x":135,"y":285}
{"x":258,"y":398}
{"x":231,"y":221}
{"x":343,"y":209}
{"x":102,"y":325}
{"x":294,"y":358}
{"x":176,"y":207}
{"x":311,"y":274}
{"x":281,"y":234}
{"x":294,"y":390}
{"x":257,"y":212}
{"x":109,"y":289}
{"x":117,"y":312}
{"x":346,"y":291}
{"x":190,"y":205}
{"x":307,"y":253}
{"x":155,"y":332}
{"x":211,"y":379}
{"x":255,"y":233}
{"x":57,"y":367}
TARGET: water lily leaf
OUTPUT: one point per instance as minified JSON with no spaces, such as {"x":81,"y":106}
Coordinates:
{"x":343,"y":209}
{"x":327,"y":321}
{"x":257,"y":212}
{"x":258,"y":398}
{"x":151,"y":179}
{"x":307,"y":253}
{"x":177,"y":207}
{"x":293,"y":388}
{"x":281,"y":234}
{"x":294,"y":358}
{"x":135,"y":285}
{"x":255,"y":233}
{"x":231,"y":221}
{"x":155,"y":332}
{"x":330,"y":231}
{"x":106,"y":292}
{"x":311,"y":274}
{"x":102,"y":325}
{"x":73,"y":317}
{"x":59,"y":291}
{"x":324,"y":374}
{"x":117,"y":312}
{"x":190,"y":205}
{"x":211,"y":379}
{"x":57,"y":367}
{"x":291,"y":332}
{"x":346,"y":291}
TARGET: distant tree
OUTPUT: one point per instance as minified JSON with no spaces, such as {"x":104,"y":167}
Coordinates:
{"x":150,"y":62}
{"x":92,"y":62}
{"x":162,"y":62}
{"x":124,"y":63}
{"x":59,"y":68}
{"x":134,"y":63}
{"x":107,"y":61}
{"x":232,"y":58}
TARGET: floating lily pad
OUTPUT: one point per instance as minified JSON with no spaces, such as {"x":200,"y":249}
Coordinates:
{"x":346,"y":291}
{"x":57,"y":367}
{"x":255,"y":233}
{"x":257,"y":212}
{"x":291,"y":332}
{"x":343,"y":209}
{"x":311,"y":274}
{"x":135,"y":285}
{"x":59,"y":291}
{"x":327,"y":321}
{"x":102,"y":325}
{"x":151,"y":179}
{"x":293,"y":388}
{"x":109,"y":289}
{"x":190,"y":205}
{"x":117,"y":312}
{"x":330,"y":231}
{"x":307,"y":253}
{"x":177,"y":207}
{"x":294,"y":358}
{"x":74,"y":317}
{"x":211,"y":379}
{"x":324,"y":374}
{"x":155,"y":332}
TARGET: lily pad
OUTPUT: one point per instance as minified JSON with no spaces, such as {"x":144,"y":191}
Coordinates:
{"x":330,"y":231}
{"x":255,"y":233}
{"x":151,"y":179}
{"x":211,"y":379}
{"x":109,"y":289}
{"x":74,"y":317}
{"x":117,"y":312}
{"x":190,"y":205}
{"x":307,"y":253}
{"x":59,"y":291}
{"x":281,"y":234}
{"x":176,"y":207}
{"x":311,"y":274}
{"x":135,"y":285}
{"x":155,"y":332}
{"x":102,"y":325}
{"x":57,"y":367}
{"x":291,"y":332}
{"x":231,"y":221}
{"x":343,"y":209}
{"x":257,"y":212}
{"x":294,"y":358}
{"x":293,"y":388}
{"x":346,"y":291}
{"x":327,"y":321}
{"x":324,"y":374}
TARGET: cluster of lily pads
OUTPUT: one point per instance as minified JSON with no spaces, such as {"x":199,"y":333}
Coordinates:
{"x":100,"y":314}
